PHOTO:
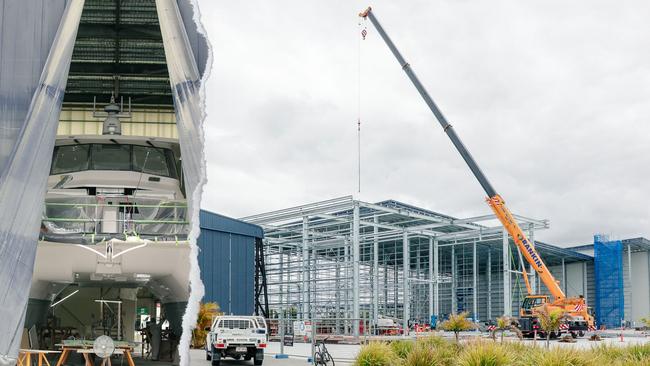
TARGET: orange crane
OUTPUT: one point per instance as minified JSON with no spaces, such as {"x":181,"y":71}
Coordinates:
{"x":578,"y":318}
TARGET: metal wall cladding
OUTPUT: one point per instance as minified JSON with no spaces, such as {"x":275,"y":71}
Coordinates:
{"x":227,"y":262}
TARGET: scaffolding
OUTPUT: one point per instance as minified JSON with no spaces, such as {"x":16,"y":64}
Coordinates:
{"x":342,"y":261}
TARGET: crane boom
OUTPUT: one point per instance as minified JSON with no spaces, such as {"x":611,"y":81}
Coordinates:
{"x":494,"y":200}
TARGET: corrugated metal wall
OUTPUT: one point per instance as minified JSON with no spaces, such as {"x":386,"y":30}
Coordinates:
{"x":227,"y":262}
{"x":154,"y":122}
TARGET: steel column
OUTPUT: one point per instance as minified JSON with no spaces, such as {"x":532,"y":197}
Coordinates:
{"x":532,"y":277}
{"x":629,"y":272}
{"x":355,"y":269}
{"x":475,"y":282}
{"x":431,"y":276}
{"x":375,"y":274}
{"x":454,"y":300}
{"x":488,"y":274}
{"x":304,"y":291}
{"x":436,"y":272}
{"x":406,"y":261}
{"x":507,"y":297}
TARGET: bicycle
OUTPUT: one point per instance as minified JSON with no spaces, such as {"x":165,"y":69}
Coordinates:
{"x":322,"y":357}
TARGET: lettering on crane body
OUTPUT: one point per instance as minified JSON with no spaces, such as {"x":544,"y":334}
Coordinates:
{"x":530,"y":251}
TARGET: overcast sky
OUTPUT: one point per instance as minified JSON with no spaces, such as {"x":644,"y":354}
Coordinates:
{"x":551,"y":97}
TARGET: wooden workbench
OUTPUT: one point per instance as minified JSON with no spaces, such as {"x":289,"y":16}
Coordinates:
{"x":25,"y":357}
{"x":86,"y":348}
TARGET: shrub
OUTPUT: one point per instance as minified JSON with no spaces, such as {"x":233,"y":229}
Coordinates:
{"x":402,"y":348}
{"x":457,"y":323}
{"x":376,"y":354}
{"x":637,"y":354}
{"x":563,"y":357}
{"x":484,"y":354}
{"x":432,"y":342}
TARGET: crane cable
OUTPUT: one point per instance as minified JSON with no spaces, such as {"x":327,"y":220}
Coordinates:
{"x":363,"y":32}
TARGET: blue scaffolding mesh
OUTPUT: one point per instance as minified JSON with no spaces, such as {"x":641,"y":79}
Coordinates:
{"x":610,"y":300}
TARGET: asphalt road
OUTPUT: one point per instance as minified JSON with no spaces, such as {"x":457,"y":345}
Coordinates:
{"x":197,"y":357}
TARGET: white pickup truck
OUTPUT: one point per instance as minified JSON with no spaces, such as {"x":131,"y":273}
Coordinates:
{"x":236,"y":337}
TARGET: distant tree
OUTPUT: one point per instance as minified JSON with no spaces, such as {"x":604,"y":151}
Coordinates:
{"x":550,"y":320}
{"x":646,"y":322}
{"x":457,"y":323}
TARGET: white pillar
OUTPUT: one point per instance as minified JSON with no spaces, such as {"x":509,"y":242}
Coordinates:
{"x":629,"y":272}
{"x":475,"y":282}
{"x":304,"y":291}
{"x":533,"y":274}
{"x":431,"y":277}
{"x":564,"y":286}
{"x":436,"y":273}
{"x":375,"y":275}
{"x":584,"y":281}
{"x":454,"y":302}
{"x":355,"y":269}
{"x":488,"y":274}
{"x":406,"y":260}
{"x":281,"y":280}
{"x":507,"y":297}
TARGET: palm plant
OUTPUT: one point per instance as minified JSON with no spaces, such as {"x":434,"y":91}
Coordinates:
{"x":503,"y":323}
{"x":457,"y":323}
{"x":550,"y":320}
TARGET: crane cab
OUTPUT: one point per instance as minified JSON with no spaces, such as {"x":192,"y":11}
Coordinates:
{"x":530,"y":303}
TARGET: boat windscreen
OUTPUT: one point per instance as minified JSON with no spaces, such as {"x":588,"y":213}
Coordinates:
{"x":145,"y":159}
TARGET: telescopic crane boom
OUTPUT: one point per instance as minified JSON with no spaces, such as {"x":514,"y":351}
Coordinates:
{"x":494,"y":200}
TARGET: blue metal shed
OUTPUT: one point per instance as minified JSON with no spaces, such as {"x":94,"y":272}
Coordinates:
{"x":227,"y":261}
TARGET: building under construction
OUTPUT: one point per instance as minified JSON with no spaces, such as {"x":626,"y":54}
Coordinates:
{"x":341,"y":261}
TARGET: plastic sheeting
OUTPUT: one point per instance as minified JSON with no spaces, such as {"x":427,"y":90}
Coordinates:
{"x":25,"y":22}
{"x":23,"y":184}
{"x":188,"y":102}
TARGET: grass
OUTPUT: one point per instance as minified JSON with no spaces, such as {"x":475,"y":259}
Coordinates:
{"x":436,"y":351}
{"x":402,"y":348}
{"x":376,"y":354}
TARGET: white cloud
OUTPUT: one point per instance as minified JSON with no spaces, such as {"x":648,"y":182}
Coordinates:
{"x":550,"y":97}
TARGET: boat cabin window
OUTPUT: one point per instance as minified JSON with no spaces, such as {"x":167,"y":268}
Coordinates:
{"x":111,"y":157}
{"x":146,"y":159}
{"x":72,"y":158}
{"x":150,"y":160}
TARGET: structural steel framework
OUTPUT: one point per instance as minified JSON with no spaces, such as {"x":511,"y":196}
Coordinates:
{"x":343,"y":260}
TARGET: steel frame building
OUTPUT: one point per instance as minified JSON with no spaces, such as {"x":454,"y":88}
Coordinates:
{"x":342,"y":260}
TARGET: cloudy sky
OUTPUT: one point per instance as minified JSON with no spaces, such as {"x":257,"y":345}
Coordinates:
{"x":551,"y":97}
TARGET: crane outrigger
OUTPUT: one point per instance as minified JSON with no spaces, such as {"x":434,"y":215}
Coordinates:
{"x":578,"y":318}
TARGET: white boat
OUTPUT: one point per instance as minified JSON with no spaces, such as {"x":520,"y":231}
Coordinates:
{"x":115,"y":218}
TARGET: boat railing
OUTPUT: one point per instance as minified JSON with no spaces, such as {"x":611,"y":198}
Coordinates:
{"x":89,"y":220}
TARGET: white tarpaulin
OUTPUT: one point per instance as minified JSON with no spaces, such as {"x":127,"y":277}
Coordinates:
{"x":23,"y":183}
{"x":185,"y":82}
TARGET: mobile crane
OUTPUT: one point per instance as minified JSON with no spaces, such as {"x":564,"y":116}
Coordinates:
{"x":578,"y":318}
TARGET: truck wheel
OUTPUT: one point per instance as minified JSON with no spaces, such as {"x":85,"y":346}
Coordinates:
{"x":216,"y":358}
{"x":581,"y":333}
{"x":574,"y":335}
{"x":259,"y":357}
